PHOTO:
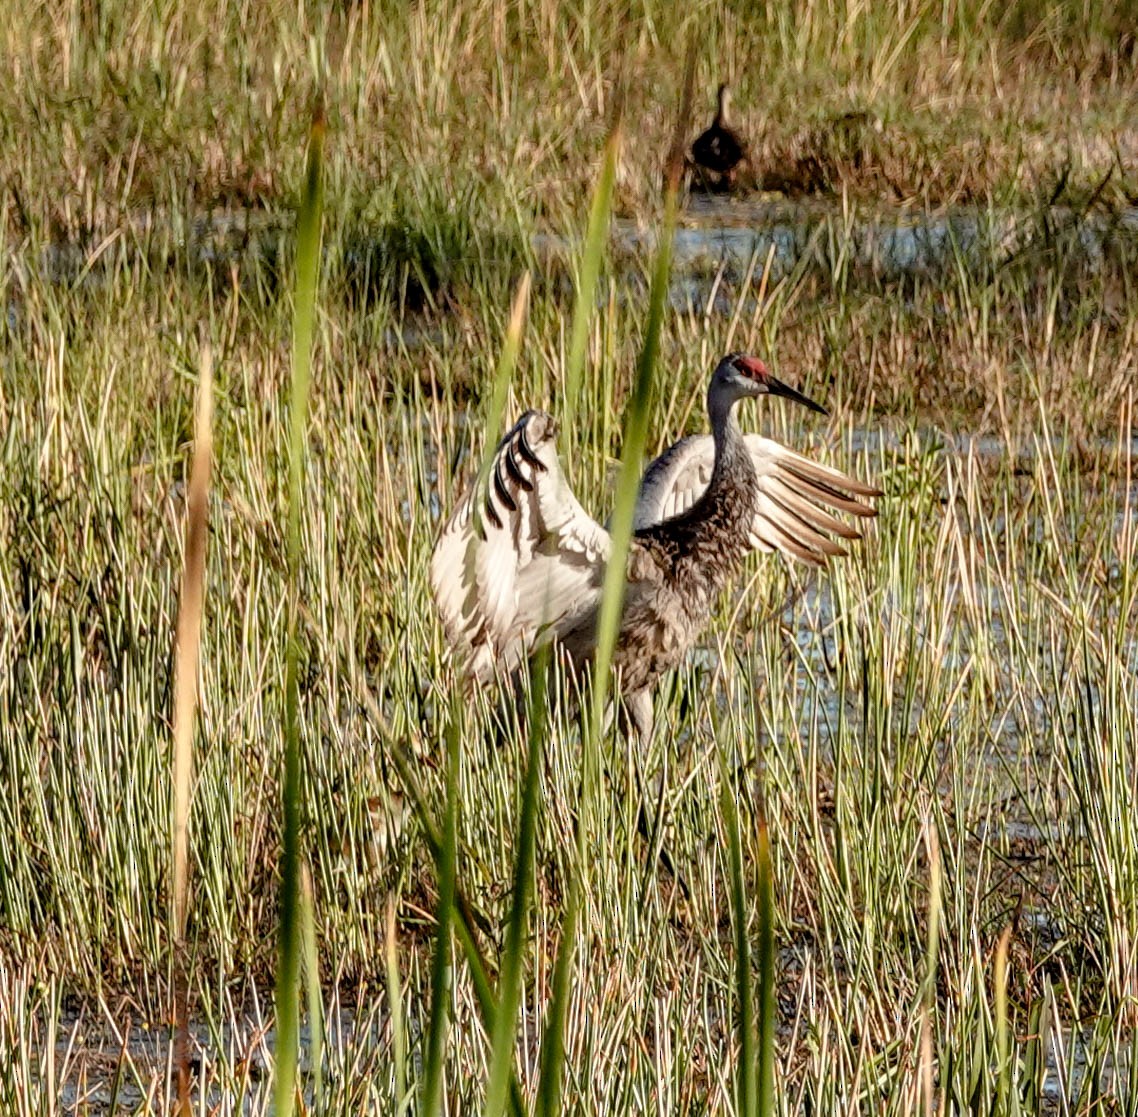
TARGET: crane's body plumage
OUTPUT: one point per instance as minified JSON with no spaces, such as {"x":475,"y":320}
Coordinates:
{"x":522,"y":562}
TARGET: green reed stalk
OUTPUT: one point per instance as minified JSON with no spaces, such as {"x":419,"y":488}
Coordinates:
{"x":768,"y":1015}
{"x":465,"y":918}
{"x":507,"y":361}
{"x":304,"y":309}
{"x":591,"y":259}
{"x":311,"y":955}
{"x":746,"y":1078}
{"x":500,"y":1014}
{"x":509,"y":981}
{"x":553,"y":1042}
{"x":435,"y":1060}
{"x":628,"y":480}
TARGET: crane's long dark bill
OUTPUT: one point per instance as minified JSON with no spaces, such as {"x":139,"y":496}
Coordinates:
{"x":778,"y":388}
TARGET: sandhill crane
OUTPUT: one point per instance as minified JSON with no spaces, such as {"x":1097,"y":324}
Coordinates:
{"x":719,"y":148}
{"x":521,"y":562}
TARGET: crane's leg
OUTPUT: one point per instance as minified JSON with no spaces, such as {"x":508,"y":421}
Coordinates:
{"x":638,"y":717}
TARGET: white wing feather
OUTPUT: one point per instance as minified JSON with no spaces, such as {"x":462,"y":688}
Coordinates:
{"x":519,"y":561}
{"x":794,"y":500}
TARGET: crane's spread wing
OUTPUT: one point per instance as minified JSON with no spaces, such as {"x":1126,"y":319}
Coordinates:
{"x":519,"y":560}
{"x":795,"y":496}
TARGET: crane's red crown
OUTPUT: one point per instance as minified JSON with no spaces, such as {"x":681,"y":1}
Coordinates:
{"x":752,"y":367}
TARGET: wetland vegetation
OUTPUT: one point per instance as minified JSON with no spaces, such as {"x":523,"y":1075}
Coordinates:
{"x":936,"y":737}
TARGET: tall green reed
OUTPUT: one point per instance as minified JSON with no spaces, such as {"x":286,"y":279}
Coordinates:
{"x":309,"y":225}
{"x":746,"y":1066}
{"x":593,"y":254}
{"x":434,"y":1061}
{"x":628,"y":478}
{"x":454,"y":914}
{"x":514,"y":951}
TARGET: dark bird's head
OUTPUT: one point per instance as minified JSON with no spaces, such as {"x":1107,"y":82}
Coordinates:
{"x":738,"y":377}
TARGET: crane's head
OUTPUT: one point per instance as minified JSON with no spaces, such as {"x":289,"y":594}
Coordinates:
{"x":738,"y":376}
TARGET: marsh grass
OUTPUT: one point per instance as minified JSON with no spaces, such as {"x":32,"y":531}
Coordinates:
{"x":974,"y":651}
{"x":961,"y":683}
{"x":116,"y":111}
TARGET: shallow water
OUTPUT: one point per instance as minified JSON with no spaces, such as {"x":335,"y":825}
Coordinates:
{"x":719,"y":238}
{"x":891,"y":242}
{"x":107,"y":1068}
{"x":737,"y":239}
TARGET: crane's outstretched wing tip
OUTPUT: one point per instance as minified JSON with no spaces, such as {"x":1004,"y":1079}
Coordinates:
{"x":861,"y":490}
{"x":799,"y":503}
{"x":857,"y":508}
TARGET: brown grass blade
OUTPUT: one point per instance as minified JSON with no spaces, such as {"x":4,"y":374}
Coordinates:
{"x":187,"y":645}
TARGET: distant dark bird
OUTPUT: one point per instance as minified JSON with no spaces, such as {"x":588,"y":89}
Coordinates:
{"x":522,"y":563}
{"x":720,"y":152}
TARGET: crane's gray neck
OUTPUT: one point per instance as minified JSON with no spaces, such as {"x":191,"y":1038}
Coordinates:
{"x":728,"y":506}
{"x":729,"y":444}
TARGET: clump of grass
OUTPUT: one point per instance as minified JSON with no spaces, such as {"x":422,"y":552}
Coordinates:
{"x":424,"y":246}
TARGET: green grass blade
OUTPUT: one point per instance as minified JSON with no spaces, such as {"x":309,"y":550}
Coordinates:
{"x":435,"y":1060}
{"x":312,"y":981}
{"x":746,"y":1084}
{"x":509,"y":982}
{"x":768,"y":1014}
{"x":304,"y":309}
{"x":635,"y":438}
{"x":497,"y":1021}
{"x":620,"y":523}
{"x":498,"y":1018}
{"x":507,"y":361}
{"x":553,"y":1041}
{"x":465,"y":918}
{"x":591,"y":259}
{"x":628,"y":479}
{"x":1035,"y":1054}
